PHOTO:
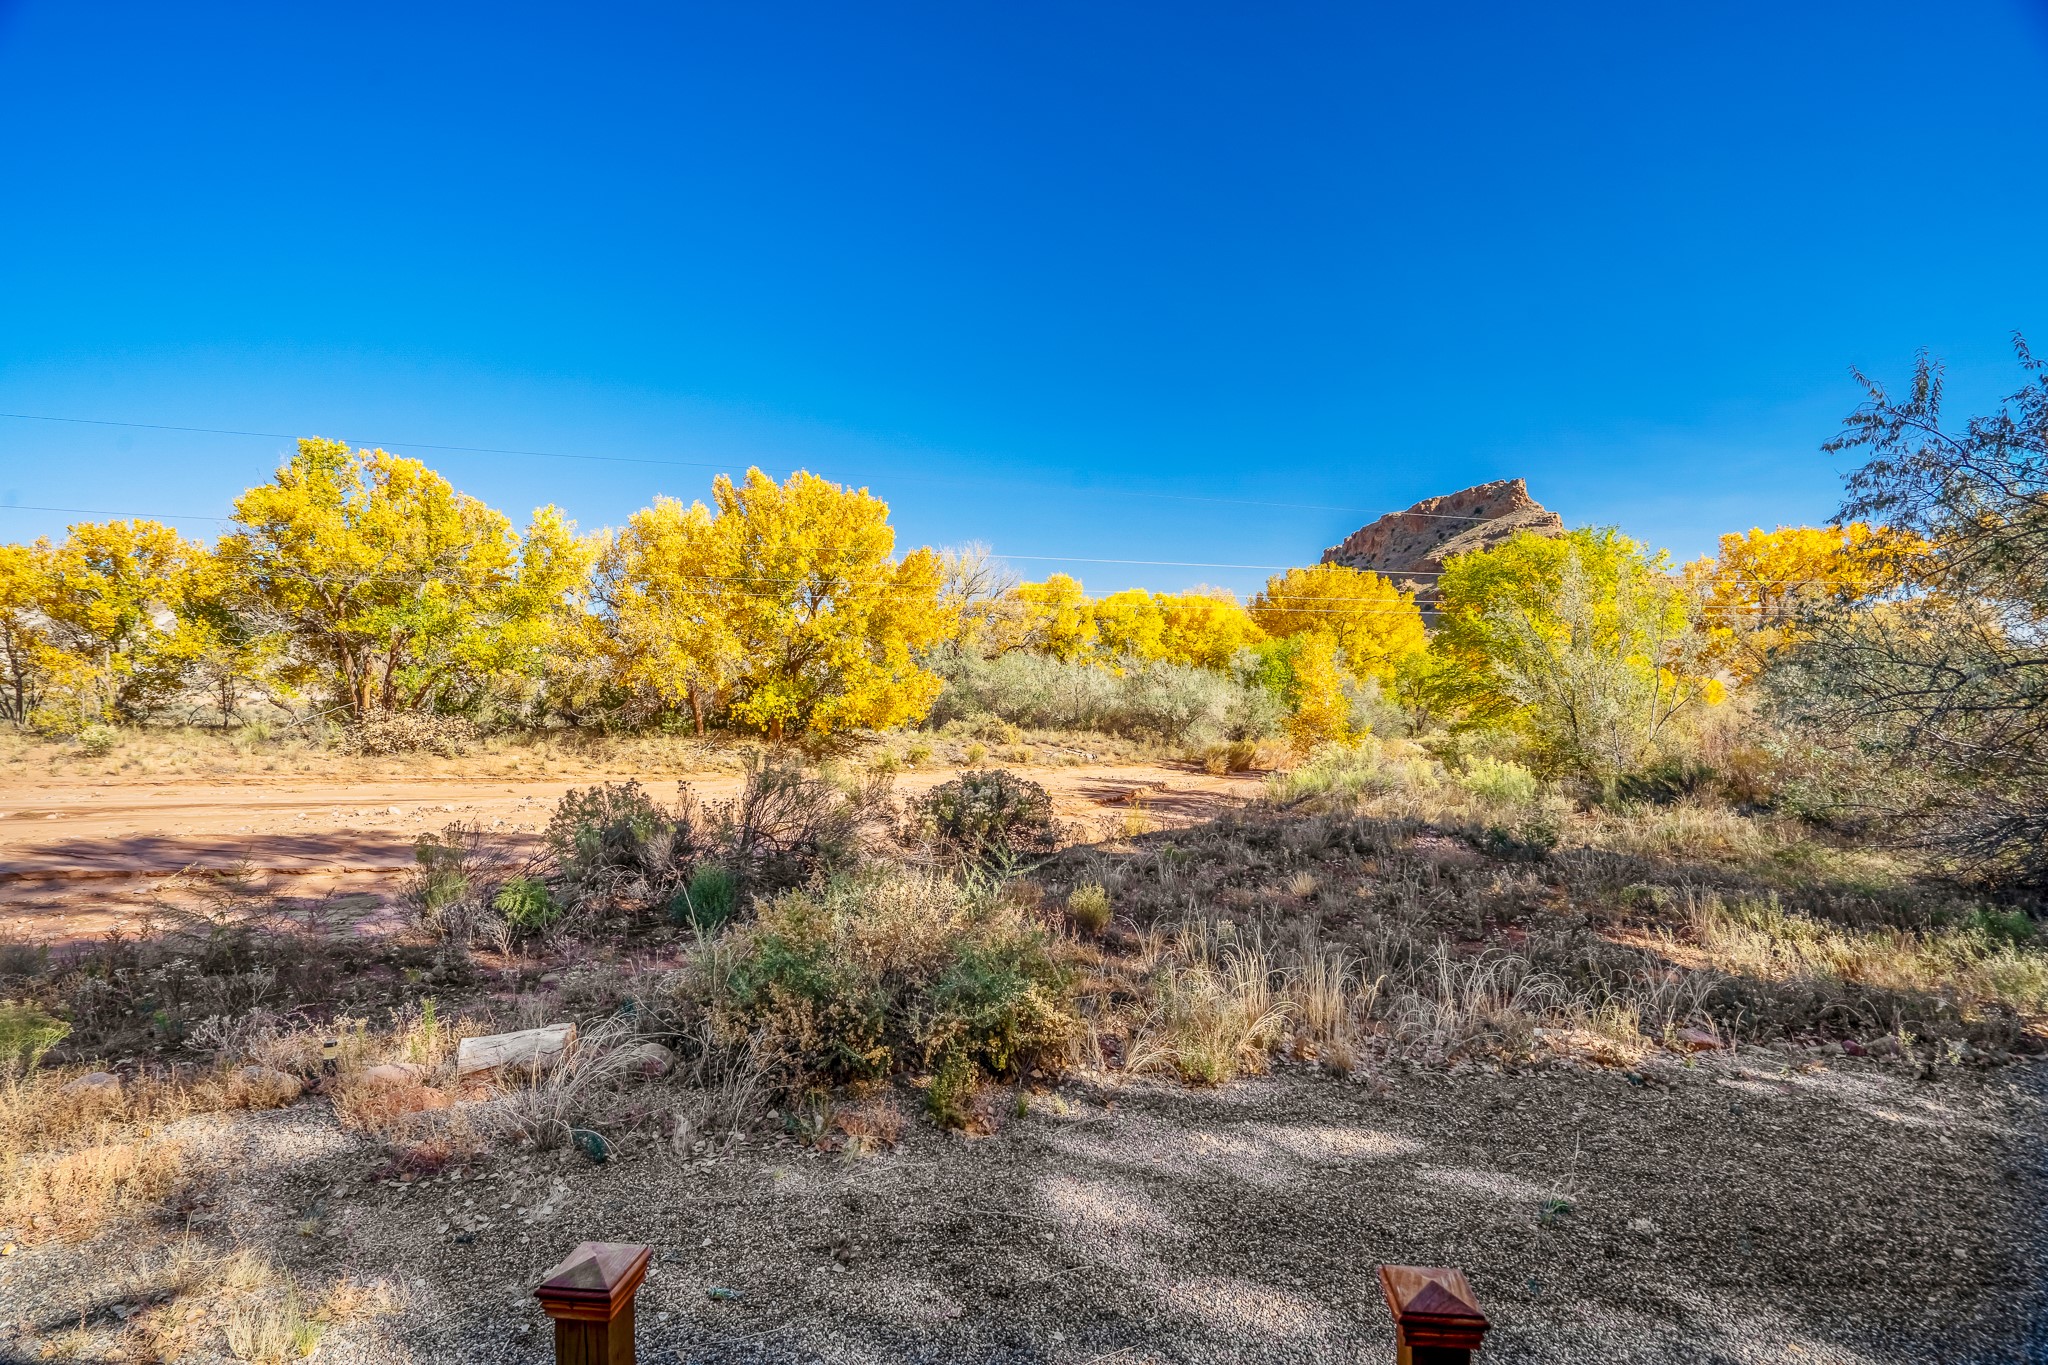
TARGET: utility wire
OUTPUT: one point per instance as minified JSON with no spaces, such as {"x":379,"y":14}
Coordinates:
{"x":699,"y":464}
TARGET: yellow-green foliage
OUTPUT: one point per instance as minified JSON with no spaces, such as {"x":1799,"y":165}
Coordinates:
{"x":1088,"y":907}
{"x":390,"y":584}
{"x":1969,"y":965}
{"x":1377,"y":625}
{"x":1580,"y":642}
{"x":1493,"y":779}
{"x":1322,"y":708}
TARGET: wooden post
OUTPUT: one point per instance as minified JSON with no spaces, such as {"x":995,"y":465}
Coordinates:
{"x":1436,"y":1318}
{"x":590,"y":1297}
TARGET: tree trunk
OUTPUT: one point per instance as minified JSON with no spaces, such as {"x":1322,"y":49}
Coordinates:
{"x":697,"y":709}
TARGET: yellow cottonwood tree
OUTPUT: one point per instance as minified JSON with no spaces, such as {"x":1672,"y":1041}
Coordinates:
{"x":1056,"y":618}
{"x":824,"y":624}
{"x":664,"y":579}
{"x":105,"y":602}
{"x":1376,"y":624}
{"x":1204,"y":627}
{"x":1322,"y":708}
{"x":392,"y":586}
{"x":1130,"y":623}
{"x":24,"y":630}
{"x":1754,"y":591}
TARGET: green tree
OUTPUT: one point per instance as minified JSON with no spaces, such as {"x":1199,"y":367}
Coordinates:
{"x":1927,"y":697}
{"x":1582,"y":643}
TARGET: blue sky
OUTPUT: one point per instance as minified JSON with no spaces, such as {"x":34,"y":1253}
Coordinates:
{"x":1012,"y":266}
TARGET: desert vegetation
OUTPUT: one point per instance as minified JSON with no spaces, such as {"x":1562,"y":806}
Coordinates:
{"x":1603,"y":816}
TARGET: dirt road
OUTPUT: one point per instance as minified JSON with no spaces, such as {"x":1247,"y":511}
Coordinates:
{"x":79,"y":859}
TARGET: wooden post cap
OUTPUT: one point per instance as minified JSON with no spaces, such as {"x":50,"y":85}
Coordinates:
{"x":1433,"y":1307}
{"x":594,"y":1281}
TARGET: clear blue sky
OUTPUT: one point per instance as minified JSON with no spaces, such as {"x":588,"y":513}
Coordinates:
{"x":988,"y":258}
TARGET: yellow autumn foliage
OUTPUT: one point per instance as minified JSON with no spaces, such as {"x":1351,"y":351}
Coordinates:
{"x":1375,"y":624}
{"x":821,"y":626}
{"x":1754,"y":592}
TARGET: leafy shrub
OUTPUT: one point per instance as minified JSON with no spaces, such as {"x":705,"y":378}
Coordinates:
{"x":26,"y":1033}
{"x":950,"y":1099}
{"x":875,"y":973}
{"x":991,"y":816}
{"x":711,"y":897}
{"x":1088,"y":907}
{"x":97,"y":741}
{"x":1500,"y":781}
{"x":786,"y":825}
{"x":526,"y":904}
{"x":405,"y":732}
{"x":613,"y":849}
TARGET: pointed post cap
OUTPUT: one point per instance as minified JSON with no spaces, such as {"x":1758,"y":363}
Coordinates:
{"x":594,"y":1281}
{"x":1433,"y":1306}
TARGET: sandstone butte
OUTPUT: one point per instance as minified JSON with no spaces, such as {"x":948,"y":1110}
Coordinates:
{"x":1410,"y":547}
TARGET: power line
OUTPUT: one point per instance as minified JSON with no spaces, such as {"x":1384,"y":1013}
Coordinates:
{"x":1390,"y":575}
{"x":699,"y":464}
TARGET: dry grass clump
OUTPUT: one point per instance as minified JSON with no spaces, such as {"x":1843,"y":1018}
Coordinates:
{"x":384,"y":1107}
{"x":1089,"y":907}
{"x":241,"y":1301}
{"x":1216,"y":1011}
{"x":1972,"y":967}
{"x":69,"y":1196}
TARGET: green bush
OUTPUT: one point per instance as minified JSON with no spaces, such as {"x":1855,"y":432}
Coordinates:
{"x":873,"y":974}
{"x":1500,"y":781}
{"x":711,"y":897}
{"x":526,"y":904}
{"x":26,"y":1033}
{"x":1088,"y":907}
{"x":950,"y":1099}
{"x":97,"y":741}
{"x":991,"y":816}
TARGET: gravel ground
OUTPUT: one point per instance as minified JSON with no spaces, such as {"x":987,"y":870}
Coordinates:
{"x":1731,"y":1210}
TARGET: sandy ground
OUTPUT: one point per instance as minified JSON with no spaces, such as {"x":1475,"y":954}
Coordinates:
{"x":1751,"y":1210}
{"x":78,"y":859}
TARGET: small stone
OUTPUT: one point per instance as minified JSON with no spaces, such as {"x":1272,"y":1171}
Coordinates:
{"x":1697,"y":1040}
{"x":394,"y":1073}
{"x":270,"y":1081}
{"x":650,"y":1059}
{"x":98,"y":1085}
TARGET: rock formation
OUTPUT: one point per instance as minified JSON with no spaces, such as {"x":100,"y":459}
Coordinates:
{"x":1410,"y":547}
